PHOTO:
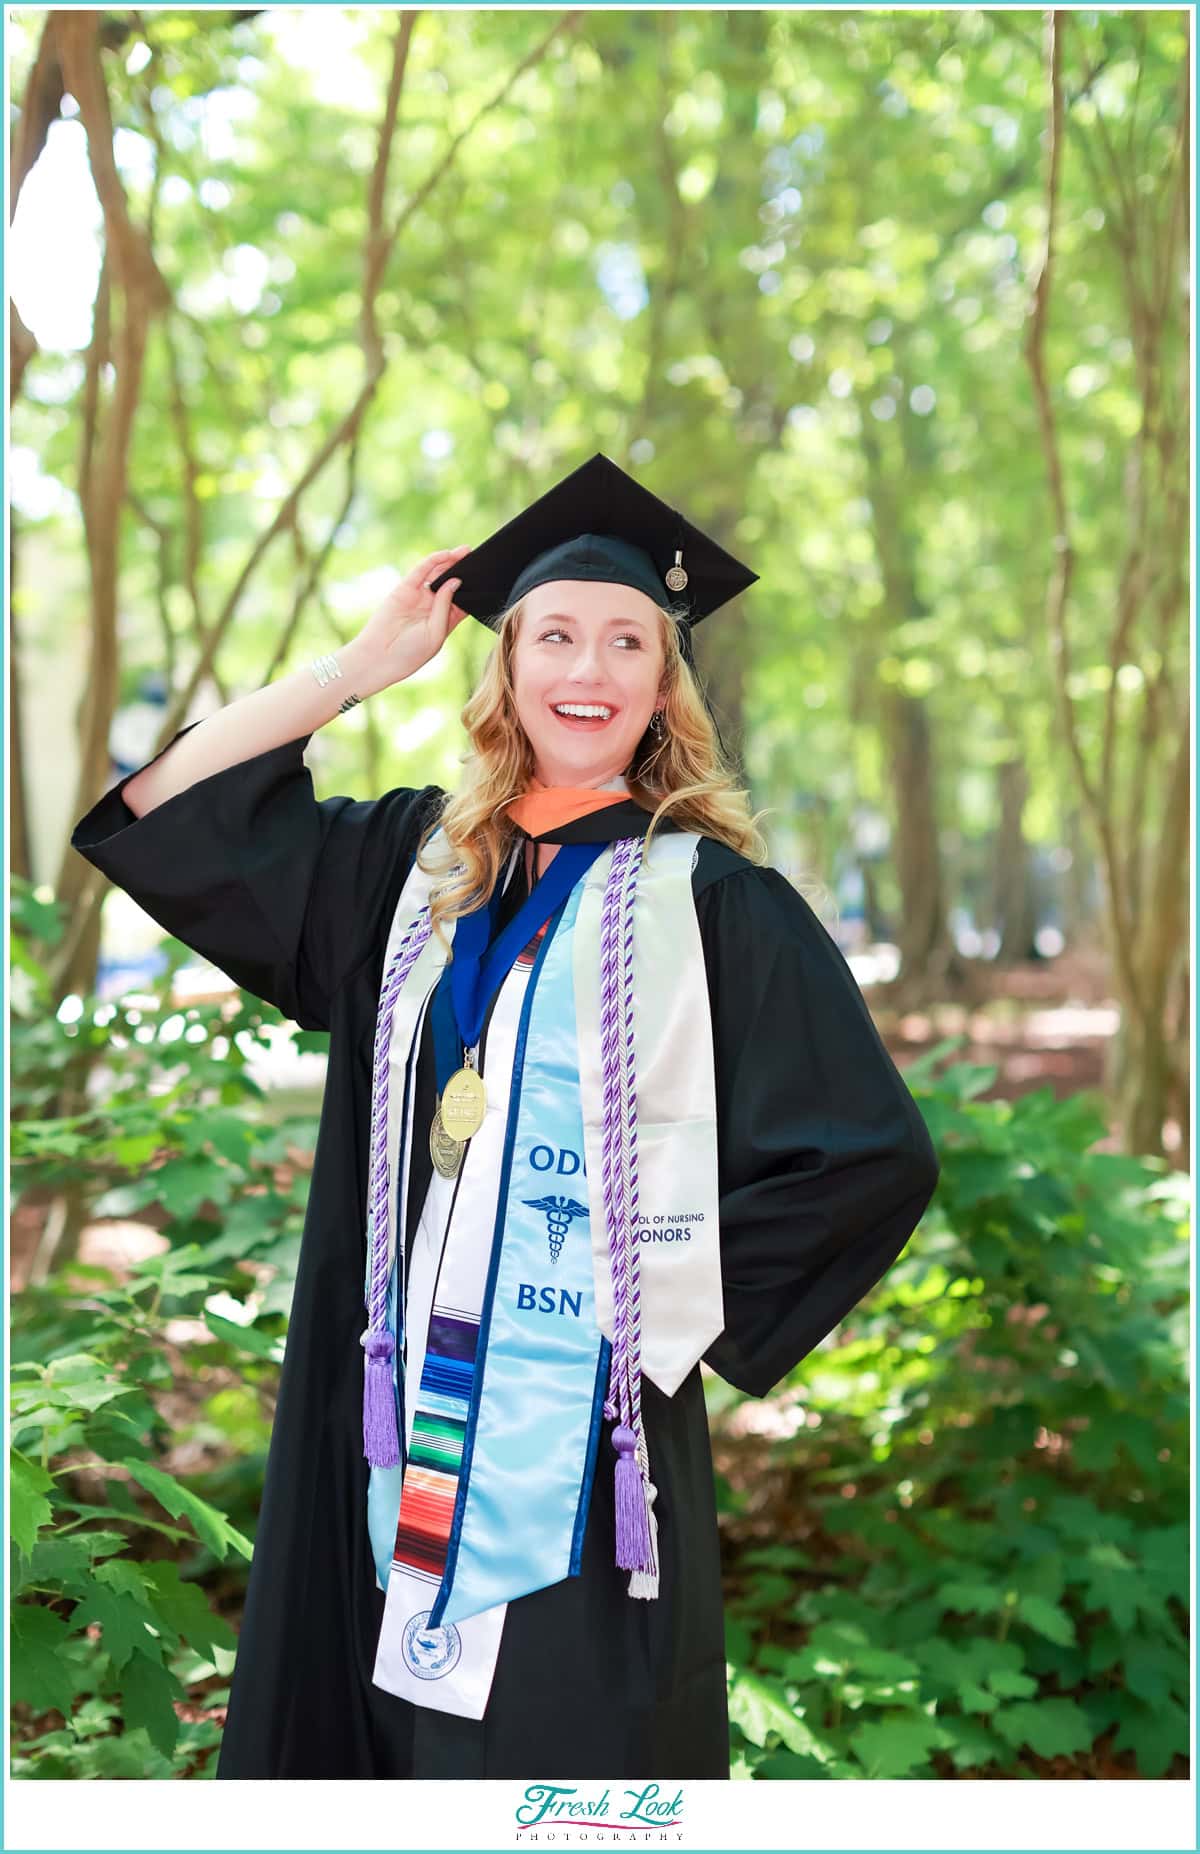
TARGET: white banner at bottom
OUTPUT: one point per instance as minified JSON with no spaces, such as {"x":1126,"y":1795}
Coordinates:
{"x":448,"y":1669}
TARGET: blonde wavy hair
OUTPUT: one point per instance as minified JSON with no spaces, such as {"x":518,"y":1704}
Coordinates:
{"x":681,"y":774}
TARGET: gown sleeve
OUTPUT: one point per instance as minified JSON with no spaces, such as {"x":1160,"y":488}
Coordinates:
{"x":825,"y":1165}
{"x":282,"y":891}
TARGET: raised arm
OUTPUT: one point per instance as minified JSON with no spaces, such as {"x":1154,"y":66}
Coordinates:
{"x":410,"y":627}
{"x":221,"y":839}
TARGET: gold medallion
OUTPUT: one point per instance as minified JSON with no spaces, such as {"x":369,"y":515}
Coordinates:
{"x":445,"y":1152}
{"x":464,"y":1099}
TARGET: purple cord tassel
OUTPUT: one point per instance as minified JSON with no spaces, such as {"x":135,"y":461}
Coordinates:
{"x":381,"y":1444}
{"x":634,"y":1550}
{"x":645,"y":1583}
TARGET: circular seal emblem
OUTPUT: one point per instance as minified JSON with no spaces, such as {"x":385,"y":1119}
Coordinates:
{"x":431,"y":1653}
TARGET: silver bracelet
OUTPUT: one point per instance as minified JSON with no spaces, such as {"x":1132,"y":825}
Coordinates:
{"x":325,"y":668}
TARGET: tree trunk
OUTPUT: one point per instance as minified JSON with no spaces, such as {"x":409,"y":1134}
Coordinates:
{"x":1130,"y":763}
{"x":139,"y":290}
{"x":20,"y":852}
{"x":1013,"y":909}
{"x":929,"y":961}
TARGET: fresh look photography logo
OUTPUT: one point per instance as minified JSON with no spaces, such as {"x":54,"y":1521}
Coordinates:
{"x":560,"y":1813}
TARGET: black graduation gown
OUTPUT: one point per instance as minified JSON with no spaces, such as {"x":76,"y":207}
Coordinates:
{"x":825,"y":1167}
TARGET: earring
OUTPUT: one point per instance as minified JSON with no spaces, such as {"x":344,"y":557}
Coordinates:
{"x":656,"y":721}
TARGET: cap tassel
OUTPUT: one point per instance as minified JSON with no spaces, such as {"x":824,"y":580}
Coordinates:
{"x":634,"y":1546}
{"x":381,"y":1443}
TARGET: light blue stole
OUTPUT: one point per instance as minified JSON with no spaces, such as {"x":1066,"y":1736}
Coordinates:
{"x":541,"y":1371}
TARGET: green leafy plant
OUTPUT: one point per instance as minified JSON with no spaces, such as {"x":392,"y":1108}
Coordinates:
{"x":983,"y":1491}
{"x":118,"y":1656}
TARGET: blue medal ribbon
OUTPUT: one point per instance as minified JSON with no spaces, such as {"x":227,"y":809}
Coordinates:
{"x":475,"y":974}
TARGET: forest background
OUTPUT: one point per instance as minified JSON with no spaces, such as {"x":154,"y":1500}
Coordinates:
{"x":896,"y":305}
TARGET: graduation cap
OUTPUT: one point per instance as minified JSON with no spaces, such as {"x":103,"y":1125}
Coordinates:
{"x":599,"y":523}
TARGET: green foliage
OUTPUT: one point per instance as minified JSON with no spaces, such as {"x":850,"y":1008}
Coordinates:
{"x":110,"y":1545}
{"x":797,"y":242}
{"x":991,"y":1563}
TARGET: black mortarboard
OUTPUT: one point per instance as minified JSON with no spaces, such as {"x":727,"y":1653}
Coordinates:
{"x":599,"y":523}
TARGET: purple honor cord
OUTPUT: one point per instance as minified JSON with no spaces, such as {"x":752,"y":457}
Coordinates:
{"x":381,"y":1441}
{"x":634,"y":1494}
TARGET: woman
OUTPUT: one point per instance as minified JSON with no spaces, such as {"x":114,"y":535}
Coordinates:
{"x":603,"y":1099}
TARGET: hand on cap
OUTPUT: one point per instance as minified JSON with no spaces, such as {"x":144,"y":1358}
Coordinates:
{"x":412,"y":623}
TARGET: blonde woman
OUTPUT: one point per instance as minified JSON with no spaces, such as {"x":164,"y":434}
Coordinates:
{"x":603,"y":1101}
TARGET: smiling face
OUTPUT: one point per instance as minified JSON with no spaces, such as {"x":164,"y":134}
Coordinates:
{"x":593,"y":645}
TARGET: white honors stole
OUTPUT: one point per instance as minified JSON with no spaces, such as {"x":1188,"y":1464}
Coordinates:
{"x":450,"y":1666}
{"x":677,"y":1237}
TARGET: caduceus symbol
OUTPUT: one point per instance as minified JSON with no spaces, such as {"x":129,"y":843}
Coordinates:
{"x":560,"y":1213}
